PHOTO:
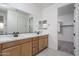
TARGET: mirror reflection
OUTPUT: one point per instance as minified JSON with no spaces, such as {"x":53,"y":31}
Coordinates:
{"x":1,"y":25}
{"x":13,"y":20}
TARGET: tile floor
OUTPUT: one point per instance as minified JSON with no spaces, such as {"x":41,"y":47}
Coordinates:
{"x":51,"y":52}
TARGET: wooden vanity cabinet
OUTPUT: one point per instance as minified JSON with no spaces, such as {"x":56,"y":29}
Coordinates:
{"x":17,"y":48}
{"x":26,"y":48}
{"x":12,"y":51}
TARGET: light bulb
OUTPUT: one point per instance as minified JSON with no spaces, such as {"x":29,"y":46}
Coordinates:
{"x":1,"y":25}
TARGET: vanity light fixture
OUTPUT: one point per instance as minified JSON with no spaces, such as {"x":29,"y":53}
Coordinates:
{"x":1,"y":25}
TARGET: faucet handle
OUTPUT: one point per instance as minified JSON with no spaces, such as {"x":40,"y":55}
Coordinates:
{"x":17,"y":32}
{"x":13,"y":33}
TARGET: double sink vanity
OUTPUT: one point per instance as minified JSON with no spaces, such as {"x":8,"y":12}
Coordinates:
{"x":23,"y":45}
{"x":14,"y":21}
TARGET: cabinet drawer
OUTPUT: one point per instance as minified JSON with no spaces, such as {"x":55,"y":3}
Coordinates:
{"x":8,"y":44}
{"x":35,"y":42}
{"x":14,"y":43}
{"x":35,"y":38}
{"x":45,"y":36}
{"x":23,"y":41}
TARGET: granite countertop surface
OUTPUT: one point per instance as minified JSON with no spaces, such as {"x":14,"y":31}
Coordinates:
{"x":8,"y":38}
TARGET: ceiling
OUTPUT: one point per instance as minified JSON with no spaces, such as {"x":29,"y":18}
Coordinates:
{"x":43,"y":5}
{"x":39,"y":5}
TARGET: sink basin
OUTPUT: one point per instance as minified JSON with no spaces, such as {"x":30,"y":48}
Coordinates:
{"x":7,"y":39}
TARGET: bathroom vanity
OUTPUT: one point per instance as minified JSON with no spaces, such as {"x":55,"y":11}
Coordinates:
{"x":13,"y":42}
{"x":24,"y":46}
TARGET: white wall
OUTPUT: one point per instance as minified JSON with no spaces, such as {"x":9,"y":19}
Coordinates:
{"x":50,"y":13}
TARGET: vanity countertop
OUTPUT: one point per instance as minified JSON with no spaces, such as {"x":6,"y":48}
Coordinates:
{"x":8,"y":38}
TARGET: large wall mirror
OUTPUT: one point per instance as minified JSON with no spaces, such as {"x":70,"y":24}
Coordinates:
{"x":13,"y":20}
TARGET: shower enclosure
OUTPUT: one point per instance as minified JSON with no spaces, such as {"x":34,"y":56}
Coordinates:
{"x":66,"y":28}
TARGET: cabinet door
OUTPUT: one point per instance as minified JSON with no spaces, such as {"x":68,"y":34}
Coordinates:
{"x":26,"y":49}
{"x":41,"y":44}
{"x":35,"y":42}
{"x":45,"y":42}
{"x":0,"y":50}
{"x":35,"y":50}
{"x":12,"y":51}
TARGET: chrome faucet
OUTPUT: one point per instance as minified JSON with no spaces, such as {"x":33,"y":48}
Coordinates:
{"x":15,"y":34}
